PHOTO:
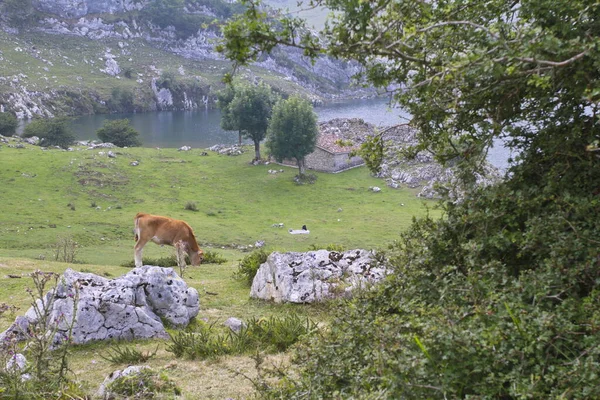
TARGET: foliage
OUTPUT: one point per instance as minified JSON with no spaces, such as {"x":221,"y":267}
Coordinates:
{"x":127,"y":355}
{"x":52,"y":132}
{"x":145,"y":384}
{"x":121,"y":100}
{"x":302,"y":179}
{"x":499,"y":298}
{"x":292,"y":131}
{"x":44,"y":373}
{"x":330,"y":247}
{"x":210,"y":257}
{"x":8,"y":124}
{"x":120,"y":133}
{"x":372,"y":151}
{"x":18,"y":12}
{"x":165,"y":13}
{"x":247,"y":108}
{"x":249,"y":265}
{"x":191,"y":206}
{"x":65,"y":249}
{"x":274,"y":334}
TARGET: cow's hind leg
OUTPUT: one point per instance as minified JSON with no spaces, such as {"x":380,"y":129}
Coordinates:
{"x":137,"y":251}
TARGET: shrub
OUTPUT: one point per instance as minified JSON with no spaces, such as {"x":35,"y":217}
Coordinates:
{"x":210,"y":257}
{"x":120,"y":133}
{"x":274,"y":334}
{"x":8,"y":124}
{"x":52,"y":132}
{"x":330,"y":247}
{"x":127,"y":355}
{"x":65,"y":249}
{"x":47,"y":362}
{"x":145,"y":384}
{"x":249,"y":265}
{"x":191,"y":206}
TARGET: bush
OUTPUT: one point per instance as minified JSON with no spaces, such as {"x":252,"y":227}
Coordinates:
{"x":127,"y":355}
{"x":191,"y":206}
{"x":145,"y":384}
{"x":274,"y":334}
{"x":8,"y":124}
{"x":210,"y":257}
{"x":120,"y":133}
{"x":52,"y":132}
{"x":249,"y":265}
{"x":498,"y":299}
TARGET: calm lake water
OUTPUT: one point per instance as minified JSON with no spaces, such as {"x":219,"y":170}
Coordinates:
{"x":201,"y":128}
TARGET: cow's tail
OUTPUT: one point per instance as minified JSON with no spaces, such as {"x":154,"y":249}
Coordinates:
{"x":136,"y":230}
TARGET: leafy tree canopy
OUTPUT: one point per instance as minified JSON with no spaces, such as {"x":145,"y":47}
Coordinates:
{"x":8,"y":124}
{"x":468,"y":71}
{"x":52,"y":132}
{"x":499,"y":298}
{"x":248,"y":111}
{"x":120,"y":133}
{"x":292,"y":130}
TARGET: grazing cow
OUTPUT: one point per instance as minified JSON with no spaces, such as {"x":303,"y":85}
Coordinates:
{"x":165,"y":230}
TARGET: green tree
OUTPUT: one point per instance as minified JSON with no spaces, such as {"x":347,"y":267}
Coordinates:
{"x":498,"y":299}
{"x":52,"y":132}
{"x":120,"y":133}
{"x":292,"y":131}
{"x":250,"y":111}
{"x":8,"y":124}
{"x":228,"y":122}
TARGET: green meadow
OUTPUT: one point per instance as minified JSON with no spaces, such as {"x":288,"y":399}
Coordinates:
{"x":85,"y":196}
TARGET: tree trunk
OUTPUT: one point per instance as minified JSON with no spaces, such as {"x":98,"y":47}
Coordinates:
{"x":240,"y":137}
{"x":257,"y":150}
{"x":301,"y":166}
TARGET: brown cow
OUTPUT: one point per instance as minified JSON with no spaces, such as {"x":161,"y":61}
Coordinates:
{"x":165,"y":230}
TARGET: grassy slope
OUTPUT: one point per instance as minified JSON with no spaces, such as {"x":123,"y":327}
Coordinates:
{"x":237,"y":204}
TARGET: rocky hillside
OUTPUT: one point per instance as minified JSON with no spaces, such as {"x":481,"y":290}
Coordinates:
{"x":100,"y":56}
{"x":421,"y":172}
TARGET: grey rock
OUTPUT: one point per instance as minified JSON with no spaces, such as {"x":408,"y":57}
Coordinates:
{"x":104,"y":391}
{"x":131,"y":306}
{"x":110,"y":154}
{"x":315,"y":275}
{"x":234,"y":324}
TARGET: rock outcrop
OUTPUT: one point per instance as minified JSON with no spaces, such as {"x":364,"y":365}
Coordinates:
{"x":131,"y":306}
{"x":315,"y":275}
{"x":421,"y":172}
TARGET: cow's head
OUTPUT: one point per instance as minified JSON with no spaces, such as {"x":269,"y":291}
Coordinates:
{"x":196,"y":257}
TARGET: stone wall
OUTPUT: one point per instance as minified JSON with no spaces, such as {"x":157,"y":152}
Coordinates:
{"x":325,"y":161}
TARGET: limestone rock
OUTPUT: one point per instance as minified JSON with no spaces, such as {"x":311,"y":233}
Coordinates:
{"x":234,"y":324}
{"x":127,"y":307}
{"x":314,"y":275}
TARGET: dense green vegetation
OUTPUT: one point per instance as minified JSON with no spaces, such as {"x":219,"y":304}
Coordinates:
{"x":120,"y":133}
{"x":498,"y":299}
{"x":293,"y":131}
{"x":247,"y":109}
{"x":51,"y":132}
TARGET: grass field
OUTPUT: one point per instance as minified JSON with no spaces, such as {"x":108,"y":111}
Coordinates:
{"x":92,"y":199}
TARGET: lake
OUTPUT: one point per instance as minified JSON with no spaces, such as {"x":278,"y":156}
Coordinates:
{"x":201,"y":128}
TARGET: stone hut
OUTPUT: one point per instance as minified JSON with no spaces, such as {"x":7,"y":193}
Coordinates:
{"x":330,"y":155}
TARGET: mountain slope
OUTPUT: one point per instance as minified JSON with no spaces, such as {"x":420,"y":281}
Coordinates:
{"x":103,"y":56}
